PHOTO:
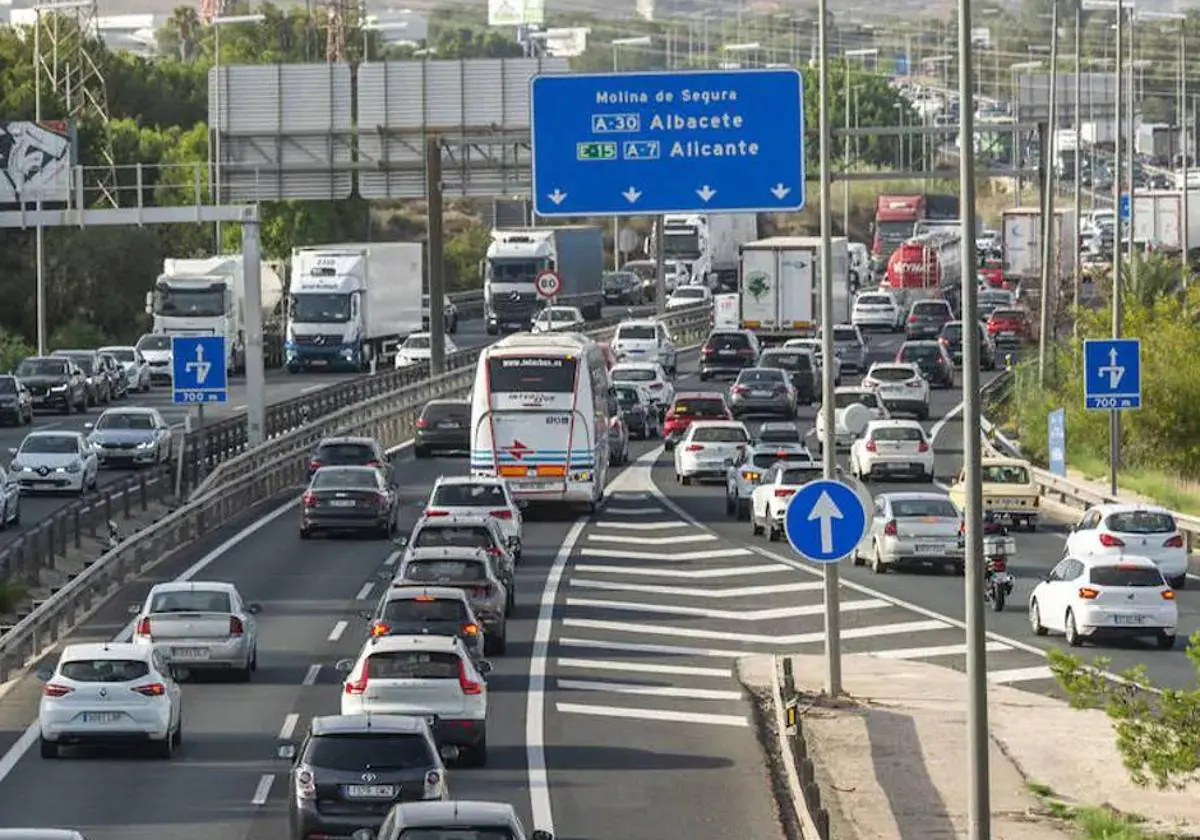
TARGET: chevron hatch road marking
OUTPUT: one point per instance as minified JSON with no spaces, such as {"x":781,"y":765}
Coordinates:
{"x":715,"y":554}
{"x":641,"y":526}
{"x":649,"y":690}
{"x":670,"y":716}
{"x":926,"y":652}
{"x":1016,"y":675}
{"x":753,"y":638}
{"x":795,"y":611}
{"x":609,"y":510}
{"x":692,"y":592}
{"x":695,"y":574}
{"x":643,"y":668}
{"x":642,"y":647}
{"x":683,"y":538}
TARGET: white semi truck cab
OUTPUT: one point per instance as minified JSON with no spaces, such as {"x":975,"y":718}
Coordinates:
{"x":202,"y":297}
{"x":516,"y":257}
{"x":707,"y":244}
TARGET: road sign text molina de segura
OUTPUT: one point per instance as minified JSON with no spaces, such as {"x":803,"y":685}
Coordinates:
{"x":635,"y":144}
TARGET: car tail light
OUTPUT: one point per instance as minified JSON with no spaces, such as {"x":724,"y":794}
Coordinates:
{"x":922,"y":446}
{"x":494,"y":551}
{"x":872,"y":446}
{"x":422,"y":423}
{"x":436,"y":512}
{"x":151,"y":690}
{"x":505,"y":514}
{"x":999,"y":563}
{"x":784,"y":492}
{"x":1174,"y":542}
{"x":912,"y":319}
{"x":143,"y":628}
{"x":1168,"y":594}
{"x":306,"y":785}
{"x":380,"y":629}
{"x":310,"y":499}
{"x":314,"y":464}
{"x":482,"y":591}
{"x":470,"y":629}
{"x":694,"y":447}
{"x":740,"y":389}
{"x":358,"y":686}
{"x":467,"y":685}
{"x":746,"y":351}
{"x":1109,"y":541}
{"x":707,"y":351}
{"x":236,"y":627}
{"x":1088,"y":594}
{"x":890,"y":529}
{"x":914,"y":383}
{"x":942,"y":340}
{"x":374,"y":464}
{"x":55,"y":690}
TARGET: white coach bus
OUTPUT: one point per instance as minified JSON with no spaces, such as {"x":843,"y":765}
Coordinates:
{"x":540,"y":413}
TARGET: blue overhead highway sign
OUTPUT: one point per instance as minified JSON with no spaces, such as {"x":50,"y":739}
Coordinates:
{"x":825,"y":521}
{"x":1112,"y":373}
{"x":198,"y":370}
{"x":637,"y":144}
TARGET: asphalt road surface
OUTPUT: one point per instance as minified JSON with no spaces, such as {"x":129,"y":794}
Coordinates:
{"x":614,"y":715}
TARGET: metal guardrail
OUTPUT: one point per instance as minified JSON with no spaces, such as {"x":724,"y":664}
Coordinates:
{"x":204,"y":452}
{"x":388,"y":414}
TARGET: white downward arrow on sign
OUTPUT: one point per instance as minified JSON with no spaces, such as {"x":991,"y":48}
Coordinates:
{"x":706,"y":193}
{"x":826,"y":511}
{"x":558,"y":196}
{"x":780,"y":191}
{"x":631,"y":195}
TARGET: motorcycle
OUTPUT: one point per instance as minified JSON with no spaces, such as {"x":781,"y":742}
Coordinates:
{"x":998,"y":546}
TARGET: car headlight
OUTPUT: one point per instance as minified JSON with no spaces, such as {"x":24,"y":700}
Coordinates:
{"x":16,"y":466}
{"x":74,"y":466}
{"x":145,"y":444}
{"x":58,"y":389}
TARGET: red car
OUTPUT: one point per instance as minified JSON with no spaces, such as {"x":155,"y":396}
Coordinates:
{"x":1009,"y":326}
{"x":689,"y":406}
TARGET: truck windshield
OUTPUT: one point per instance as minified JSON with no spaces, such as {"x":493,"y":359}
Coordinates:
{"x":515,"y":271}
{"x":681,"y":246}
{"x":321,"y":308}
{"x":893,"y":234}
{"x":192,"y":303}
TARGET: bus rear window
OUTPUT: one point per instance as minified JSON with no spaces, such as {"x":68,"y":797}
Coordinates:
{"x":542,"y":375}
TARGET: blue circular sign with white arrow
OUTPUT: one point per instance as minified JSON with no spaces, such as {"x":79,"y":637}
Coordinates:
{"x":825,"y":520}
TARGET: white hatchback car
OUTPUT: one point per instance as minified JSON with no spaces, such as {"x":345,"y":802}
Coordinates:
{"x":110,"y":692}
{"x":747,"y":470}
{"x":137,"y":369}
{"x":55,"y":462}
{"x":878,"y":310}
{"x":645,"y":340}
{"x":1100,"y":597}
{"x":892,"y":448}
{"x":426,"y":676}
{"x":471,"y":496}
{"x":901,"y":387}
{"x":418,"y":347}
{"x":769,"y":503}
{"x":707,"y":449}
{"x":1113,"y":530}
{"x":558,"y":319}
{"x":649,"y":375}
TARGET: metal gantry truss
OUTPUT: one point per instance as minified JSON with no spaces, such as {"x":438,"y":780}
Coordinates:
{"x":69,"y":38}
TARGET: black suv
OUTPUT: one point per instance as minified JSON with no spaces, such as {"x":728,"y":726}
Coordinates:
{"x":952,"y":339}
{"x":348,"y":452}
{"x":444,"y":425}
{"x":99,"y":388}
{"x":926,"y":319}
{"x":800,"y":365}
{"x":933,"y":360}
{"x":351,"y":769}
{"x":728,"y":353}
{"x":54,"y":382}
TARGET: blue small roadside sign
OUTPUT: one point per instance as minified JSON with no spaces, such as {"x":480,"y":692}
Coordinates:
{"x":639,"y":144}
{"x":1124,"y":207}
{"x":1057,"y":441}
{"x":825,"y":520}
{"x":198,"y":370}
{"x":1112,"y":374}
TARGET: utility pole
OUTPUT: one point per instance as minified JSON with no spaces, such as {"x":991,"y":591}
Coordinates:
{"x":1118,"y":290}
{"x":1078,"y":197}
{"x":437,"y":280}
{"x":1049,"y":241}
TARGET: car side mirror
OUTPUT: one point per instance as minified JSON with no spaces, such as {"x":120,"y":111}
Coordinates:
{"x":45,"y":674}
{"x":179,"y":673}
{"x":344,"y":666}
{"x":89,"y":426}
{"x":484,"y":666}
{"x":400,"y":541}
{"x":523,"y":504}
{"x":288,"y":752}
{"x":12,"y":450}
{"x":541,"y":834}
{"x":363,"y":834}
{"x":254,"y":608}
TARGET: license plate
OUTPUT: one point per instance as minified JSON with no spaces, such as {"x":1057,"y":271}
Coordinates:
{"x":726,"y":352}
{"x":317,"y":362}
{"x":536,"y":485}
{"x":100,"y":717}
{"x":1128,"y":619}
{"x":371,"y":791}
{"x":1008,"y":334}
{"x":189,"y":653}
{"x":342,"y":503}
{"x":929,"y":548}
{"x":450,"y":425}
{"x":892,"y":389}
{"x":760,"y":394}
{"x":516,"y":325}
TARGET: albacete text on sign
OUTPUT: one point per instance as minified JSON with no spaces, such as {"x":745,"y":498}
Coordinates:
{"x":668,"y":121}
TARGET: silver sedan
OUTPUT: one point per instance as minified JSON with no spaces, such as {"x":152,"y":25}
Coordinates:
{"x":200,"y":625}
{"x":913,"y":529}
{"x":131,"y":437}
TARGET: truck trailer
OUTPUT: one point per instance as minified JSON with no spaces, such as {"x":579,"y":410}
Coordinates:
{"x":780,"y":286}
{"x":1022,"y":243}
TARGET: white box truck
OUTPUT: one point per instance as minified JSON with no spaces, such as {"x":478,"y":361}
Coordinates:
{"x":351,"y":304}
{"x":707,"y":244}
{"x":780,"y":285}
{"x":207,"y":296}
{"x":516,"y":257}
{"x":1021,"y":239}
{"x":1158,"y":219}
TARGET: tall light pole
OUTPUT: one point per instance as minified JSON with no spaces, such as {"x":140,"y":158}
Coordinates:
{"x":1048,"y":214}
{"x":849,"y":54}
{"x":39,"y":233}
{"x":641,"y":41}
{"x":217,"y":23}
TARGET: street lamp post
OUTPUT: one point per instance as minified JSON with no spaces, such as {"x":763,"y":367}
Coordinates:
{"x":637,"y":42}
{"x":217,"y":23}
{"x":849,"y":54}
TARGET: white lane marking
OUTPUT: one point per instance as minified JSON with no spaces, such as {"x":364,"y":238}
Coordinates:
{"x":535,"y":699}
{"x":289,"y":726}
{"x":937,"y":427}
{"x":392,"y":558}
{"x":621,"y":538}
{"x":639,"y":511}
{"x":642,"y":668}
{"x":692,"y":592}
{"x":338,"y":629}
{"x":1016,"y":675}
{"x":903,"y":627}
{"x":640,"y":526}
{"x":649,"y":690}
{"x":768,"y":614}
{"x":926,"y":652}
{"x":263,"y":790}
{"x":736,"y":571}
{"x":365,"y":592}
{"x":238,"y":408}
{"x":310,"y":678}
{"x":651,"y":714}
{"x":642,"y":647}
{"x":675,"y":557}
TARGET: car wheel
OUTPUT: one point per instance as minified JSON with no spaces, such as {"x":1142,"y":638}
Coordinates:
{"x":178,"y":736}
{"x":730,"y":504}
{"x":1166,"y":641}
{"x":1072,"y":632}
{"x":164,"y":749}
{"x":877,"y":564}
{"x":1035,"y":619}
{"x":1178,"y":582}
{"x":477,"y":754}
{"x":421,"y":451}
{"x":743,"y":510}
{"x":755,"y":530}
{"x":305,"y":534}
{"x":685,"y":480}
{"x":495,"y":645}
{"x":48,"y":749}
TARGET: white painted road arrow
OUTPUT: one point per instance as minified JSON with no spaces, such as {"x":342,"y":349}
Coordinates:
{"x":780,"y":191}
{"x":558,"y":197}
{"x":631,"y":195}
{"x":706,"y":193}
{"x":682,"y":538}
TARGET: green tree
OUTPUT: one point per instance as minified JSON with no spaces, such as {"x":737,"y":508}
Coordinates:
{"x":13,"y":348}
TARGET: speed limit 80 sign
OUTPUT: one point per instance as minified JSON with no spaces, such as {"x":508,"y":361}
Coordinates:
{"x":548,"y":284}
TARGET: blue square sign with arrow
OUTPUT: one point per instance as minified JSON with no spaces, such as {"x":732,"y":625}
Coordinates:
{"x":1112,"y":374}
{"x":825,"y":520}
{"x":198,"y":370}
